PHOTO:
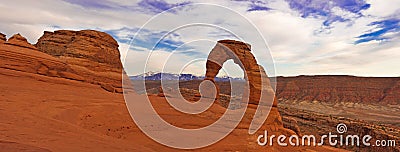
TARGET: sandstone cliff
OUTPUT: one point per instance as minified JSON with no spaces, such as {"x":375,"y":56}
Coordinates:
{"x":88,"y":56}
{"x":92,"y":54}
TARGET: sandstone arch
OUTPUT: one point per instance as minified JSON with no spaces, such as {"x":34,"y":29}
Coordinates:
{"x":240,"y":53}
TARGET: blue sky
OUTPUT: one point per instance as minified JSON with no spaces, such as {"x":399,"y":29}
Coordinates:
{"x":305,"y":37}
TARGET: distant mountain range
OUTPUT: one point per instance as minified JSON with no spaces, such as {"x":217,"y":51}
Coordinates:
{"x":182,"y":77}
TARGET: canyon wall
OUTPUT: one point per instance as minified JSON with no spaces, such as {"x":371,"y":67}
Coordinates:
{"x":374,"y":90}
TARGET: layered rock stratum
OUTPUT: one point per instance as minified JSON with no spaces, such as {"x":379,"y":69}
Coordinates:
{"x":88,"y":56}
{"x":336,"y":89}
{"x":93,"y":55}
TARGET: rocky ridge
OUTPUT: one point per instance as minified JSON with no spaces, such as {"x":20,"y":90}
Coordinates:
{"x":88,"y":56}
{"x":336,"y":89}
{"x":20,"y":41}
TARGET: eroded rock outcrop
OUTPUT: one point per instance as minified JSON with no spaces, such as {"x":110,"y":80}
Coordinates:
{"x":2,"y":38}
{"x":19,"y":40}
{"x":88,"y":56}
{"x":240,"y":53}
{"x":93,"y":55}
{"x":160,"y":92}
{"x":259,"y":90}
{"x":292,"y":124}
{"x":17,"y":54}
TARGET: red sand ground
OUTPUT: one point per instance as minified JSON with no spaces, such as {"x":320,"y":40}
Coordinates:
{"x":40,"y":113}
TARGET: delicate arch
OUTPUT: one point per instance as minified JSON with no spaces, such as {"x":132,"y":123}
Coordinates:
{"x":241,"y":54}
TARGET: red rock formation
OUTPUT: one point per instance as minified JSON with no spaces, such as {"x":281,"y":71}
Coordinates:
{"x":240,"y":52}
{"x":2,"y":38}
{"x":18,"y":40}
{"x":91,"y":54}
{"x":160,"y":92}
{"x":88,"y":56}
{"x":86,"y":44}
{"x":392,"y":94}
{"x":292,"y":124}
{"x":339,"y":89}
{"x":257,"y":79}
{"x":18,"y":54}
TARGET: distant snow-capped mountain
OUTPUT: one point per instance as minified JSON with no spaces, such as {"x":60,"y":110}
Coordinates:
{"x":183,"y":77}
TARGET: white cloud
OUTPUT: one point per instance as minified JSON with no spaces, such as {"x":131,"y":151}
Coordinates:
{"x":382,"y":8}
{"x":297,"y":44}
{"x":43,"y":15}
